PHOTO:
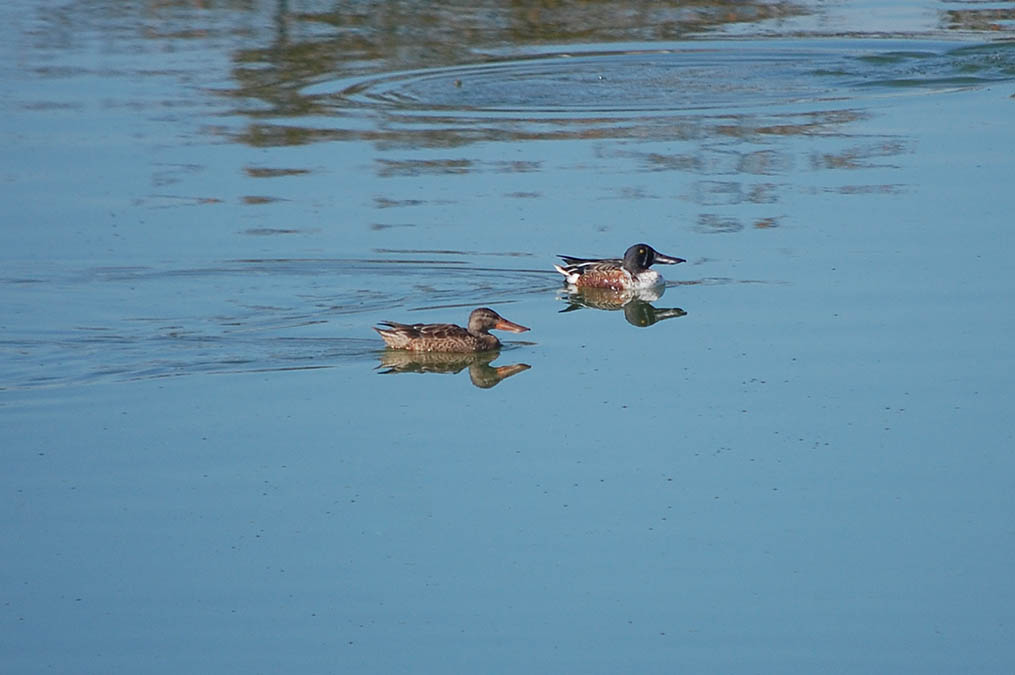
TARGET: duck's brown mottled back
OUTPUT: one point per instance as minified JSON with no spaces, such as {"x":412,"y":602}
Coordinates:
{"x":447,"y":337}
{"x":630,"y":272}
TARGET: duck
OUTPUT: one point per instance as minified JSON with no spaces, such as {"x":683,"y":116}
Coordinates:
{"x":448,"y":337}
{"x":628,"y":273}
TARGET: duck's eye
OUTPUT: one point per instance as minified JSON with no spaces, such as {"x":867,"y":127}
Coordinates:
{"x":641,"y":251}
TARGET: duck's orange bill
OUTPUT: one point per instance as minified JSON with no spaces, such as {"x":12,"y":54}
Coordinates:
{"x":504,"y":324}
{"x":507,"y":371}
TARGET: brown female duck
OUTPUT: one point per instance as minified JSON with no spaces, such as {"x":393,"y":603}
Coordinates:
{"x":447,"y":337}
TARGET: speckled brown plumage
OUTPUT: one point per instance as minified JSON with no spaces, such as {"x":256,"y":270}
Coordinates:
{"x":630,"y":272}
{"x":447,"y":337}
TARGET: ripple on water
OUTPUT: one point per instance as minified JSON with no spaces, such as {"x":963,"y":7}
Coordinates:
{"x":267,"y":315}
{"x":730,"y":76}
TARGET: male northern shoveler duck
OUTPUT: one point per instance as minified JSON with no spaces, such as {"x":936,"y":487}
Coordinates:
{"x":447,"y":337}
{"x":631,"y":272}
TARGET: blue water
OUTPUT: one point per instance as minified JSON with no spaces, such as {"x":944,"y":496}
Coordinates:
{"x":210,"y":467}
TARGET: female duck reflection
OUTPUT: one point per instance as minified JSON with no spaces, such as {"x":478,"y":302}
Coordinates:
{"x":447,"y":348}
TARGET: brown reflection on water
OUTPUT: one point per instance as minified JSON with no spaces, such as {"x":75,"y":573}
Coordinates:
{"x":859,"y":157}
{"x":481,"y":373}
{"x":377,"y":36}
{"x":280,"y":54}
{"x":997,"y":16}
{"x":369,"y":38}
{"x":267,"y":172}
{"x":636,"y":305}
{"x":365,"y":38}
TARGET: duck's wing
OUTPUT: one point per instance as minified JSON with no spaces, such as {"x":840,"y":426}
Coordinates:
{"x":404,"y":329}
{"x":422,"y":330}
{"x":439,"y":331}
{"x":578,"y":262}
{"x":406,"y":336}
{"x":592,"y":266}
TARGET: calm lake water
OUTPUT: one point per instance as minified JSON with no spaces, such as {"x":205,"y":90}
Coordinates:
{"x":798,"y":458}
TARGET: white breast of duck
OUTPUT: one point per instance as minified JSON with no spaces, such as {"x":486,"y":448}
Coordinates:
{"x":646,"y":279}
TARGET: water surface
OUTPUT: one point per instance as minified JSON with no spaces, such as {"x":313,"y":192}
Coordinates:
{"x":796,"y":457}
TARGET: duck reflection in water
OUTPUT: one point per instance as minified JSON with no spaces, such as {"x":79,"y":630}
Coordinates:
{"x":482,"y":374}
{"x":447,"y":348}
{"x":636,"y":304}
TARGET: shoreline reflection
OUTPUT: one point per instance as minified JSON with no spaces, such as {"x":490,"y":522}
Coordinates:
{"x":636,"y":304}
{"x":482,"y":374}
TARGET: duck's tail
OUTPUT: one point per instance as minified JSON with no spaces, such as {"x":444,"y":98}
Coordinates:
{"x":571,"y":274}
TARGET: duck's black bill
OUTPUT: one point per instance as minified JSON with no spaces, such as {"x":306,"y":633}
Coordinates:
{"x":668,"y":260}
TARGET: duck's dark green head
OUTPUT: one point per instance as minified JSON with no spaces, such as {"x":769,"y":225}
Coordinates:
{"x":642,"y":314}
{"x":642,"y":256}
